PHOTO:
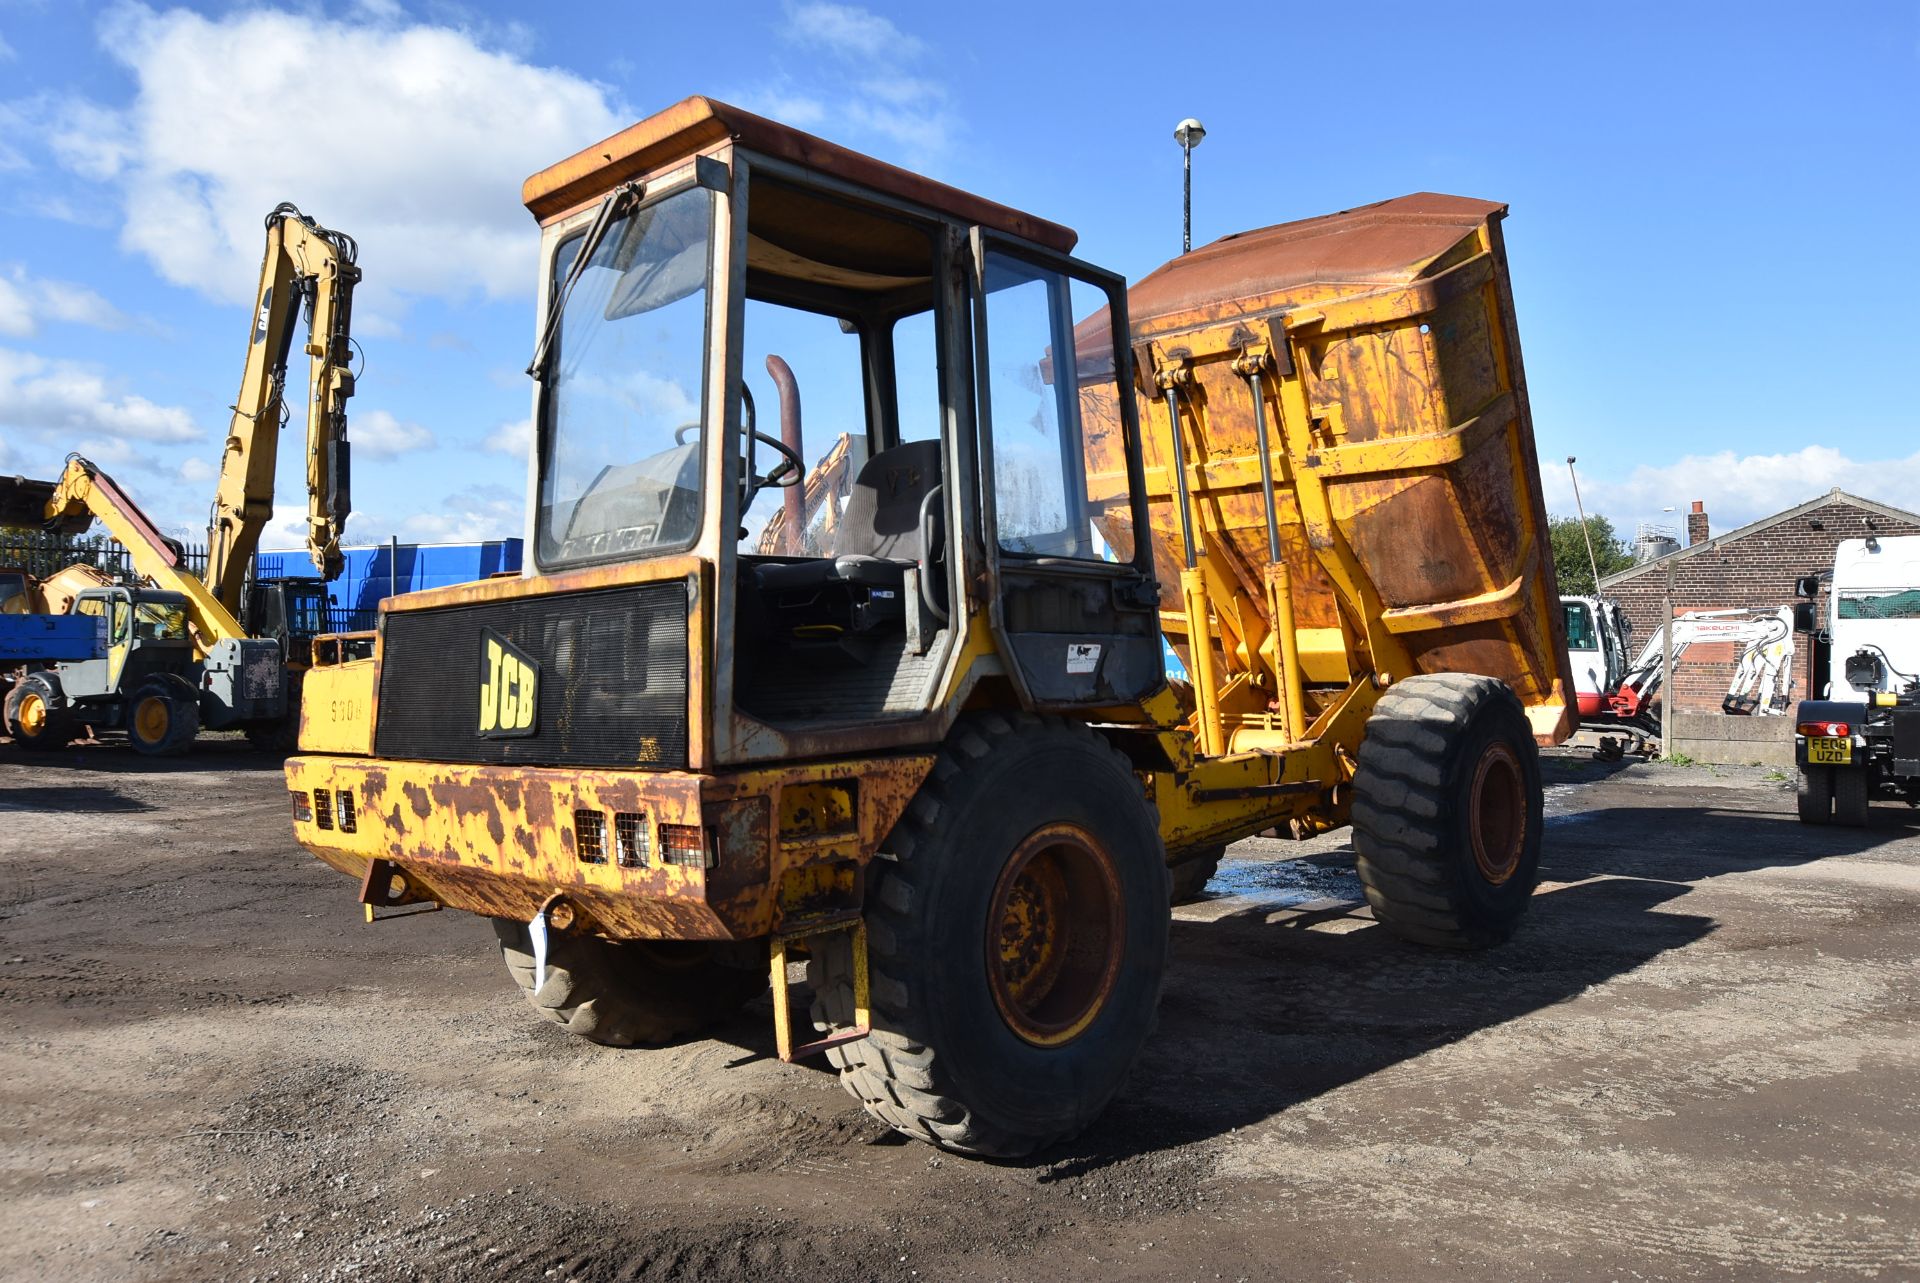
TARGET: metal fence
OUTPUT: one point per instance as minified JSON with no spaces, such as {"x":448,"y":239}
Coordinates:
{"x":42,"y":553}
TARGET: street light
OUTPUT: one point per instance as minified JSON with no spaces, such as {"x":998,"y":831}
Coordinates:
{"x":1188,"y":134}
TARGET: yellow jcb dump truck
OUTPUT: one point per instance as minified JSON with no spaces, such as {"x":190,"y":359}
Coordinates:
{"x":915,"y":725}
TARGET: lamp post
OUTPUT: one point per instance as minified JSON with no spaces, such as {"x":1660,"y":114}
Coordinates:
{"x":1188,"y":134}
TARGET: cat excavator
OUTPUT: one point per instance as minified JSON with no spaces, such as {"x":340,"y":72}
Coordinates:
{"x":224,"y":650}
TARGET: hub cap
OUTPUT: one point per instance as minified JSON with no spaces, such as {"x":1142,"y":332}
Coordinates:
{"x":32,"y":714}
{"x":150,"y":718}
{"x":1498,"y":814}
{"x":1054,"y":935}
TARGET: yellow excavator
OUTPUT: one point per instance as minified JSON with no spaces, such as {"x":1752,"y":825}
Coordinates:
{"x":224,"y":651}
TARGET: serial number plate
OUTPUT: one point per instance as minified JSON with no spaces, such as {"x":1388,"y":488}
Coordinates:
{"x":1830,"y":750}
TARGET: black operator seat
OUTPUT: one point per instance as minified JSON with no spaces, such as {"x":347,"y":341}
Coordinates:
{"x":880,"y":534}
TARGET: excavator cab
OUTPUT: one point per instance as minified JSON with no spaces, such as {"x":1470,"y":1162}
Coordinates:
{"x":291,"y":611}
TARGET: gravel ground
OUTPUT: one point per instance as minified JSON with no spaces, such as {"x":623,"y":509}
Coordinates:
{"x":1698,"y":1059}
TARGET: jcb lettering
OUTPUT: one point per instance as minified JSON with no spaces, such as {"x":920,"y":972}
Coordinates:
{"x":509,"y":688}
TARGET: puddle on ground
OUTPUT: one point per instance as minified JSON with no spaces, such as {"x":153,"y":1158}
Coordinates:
{"x":1288,"y":884}
{"x":1285,"y":884}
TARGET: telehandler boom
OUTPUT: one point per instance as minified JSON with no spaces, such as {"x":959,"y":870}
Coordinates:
{"x":911,"y":721}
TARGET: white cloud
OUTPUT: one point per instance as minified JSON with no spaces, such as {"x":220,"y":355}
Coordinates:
{"x":850,"y":31}
{"x":1736,"y":488}
{"x":514,"y":439}
{"x":478,"y":512}
{"x":195,"y":470}
{"x":89,"y":139}
{"x":379,"y":434}
{"x":25,"y":302}
{"x":6,"y":50}
{"x":414,"y":139}
{"x":867,"y":87}
{"x":65,"y":398}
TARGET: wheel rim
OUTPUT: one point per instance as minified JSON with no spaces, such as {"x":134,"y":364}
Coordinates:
{"x":1055,"y":935}
{"x":32,"y":714}
{"x":1498,"y":814}
{"x":150,"y":718}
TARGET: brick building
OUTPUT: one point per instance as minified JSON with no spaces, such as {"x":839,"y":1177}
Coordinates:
{"x":1753,"y":566}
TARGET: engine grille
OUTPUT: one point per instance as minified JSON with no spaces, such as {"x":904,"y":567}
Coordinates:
{"x":611,"y":687}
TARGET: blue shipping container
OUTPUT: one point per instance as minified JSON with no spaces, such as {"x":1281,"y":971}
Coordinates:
{"x":373,"y":574}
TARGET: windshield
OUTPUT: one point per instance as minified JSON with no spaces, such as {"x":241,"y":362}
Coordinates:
{"x":160,"y":621}
{"x":307,"y":614}
{"x":1579,"y":627}
{"x":622,"y":432}
{"x":1884,"y":603}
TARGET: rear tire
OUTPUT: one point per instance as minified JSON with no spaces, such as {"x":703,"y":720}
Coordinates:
{"x":632,"y":993}
{"x":37,"y":715}
{"x":1813,"y":794}
{"x":1017,"y":935}
{"x":1851,"y":798}
{"x":163,"y":716}
{"x":1447,"y":811}
{"x":1192,"y":871}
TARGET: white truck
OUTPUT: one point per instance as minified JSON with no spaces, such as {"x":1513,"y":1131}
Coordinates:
{"x":1861,"y":741}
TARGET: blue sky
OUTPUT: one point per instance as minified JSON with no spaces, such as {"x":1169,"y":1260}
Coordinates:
{"x":1712,"y":234}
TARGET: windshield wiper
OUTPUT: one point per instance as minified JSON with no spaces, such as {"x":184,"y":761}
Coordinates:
{"x":610,"y":208}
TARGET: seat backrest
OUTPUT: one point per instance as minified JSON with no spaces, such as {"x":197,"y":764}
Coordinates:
{"x":882,"y":518}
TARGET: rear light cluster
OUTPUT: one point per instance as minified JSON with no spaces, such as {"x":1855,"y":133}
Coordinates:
{"x":632,"y":840}
{"x":327,"y":809}
{"x":1828,"y":729}
{"x":685,"y":845}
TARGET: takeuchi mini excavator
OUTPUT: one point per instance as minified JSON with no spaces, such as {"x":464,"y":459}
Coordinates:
{"x":1615,"y":695}
{"x":860,"y":508}
{"x":182,"y":652}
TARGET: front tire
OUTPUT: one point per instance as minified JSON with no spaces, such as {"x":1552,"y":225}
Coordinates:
{"x":632,"y":993}
{"x":37,"y":715}
{"x":1813,"y":794}
{"x":1852,"y":796}
{"x":1447,"y":811}
{"x":163,"y":716}
{"x":1017,"y":935}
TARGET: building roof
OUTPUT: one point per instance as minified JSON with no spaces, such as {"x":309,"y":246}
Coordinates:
{"x":1827,"y":500}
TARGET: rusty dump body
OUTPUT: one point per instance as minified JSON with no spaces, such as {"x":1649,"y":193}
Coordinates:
{"x":1407,"y":507}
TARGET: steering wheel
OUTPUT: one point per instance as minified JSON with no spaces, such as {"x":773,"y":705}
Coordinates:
{"x":790,"y":469}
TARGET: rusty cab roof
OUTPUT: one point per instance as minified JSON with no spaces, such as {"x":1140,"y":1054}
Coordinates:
{"x":700,"y":124}
{"x":1356,"y":251}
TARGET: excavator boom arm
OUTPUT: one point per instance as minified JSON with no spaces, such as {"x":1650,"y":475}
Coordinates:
{"x":305,"y":264}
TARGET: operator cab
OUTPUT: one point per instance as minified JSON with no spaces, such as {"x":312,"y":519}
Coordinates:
{"x":891,"y":369}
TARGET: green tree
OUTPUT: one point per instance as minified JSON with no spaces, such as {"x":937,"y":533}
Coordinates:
{"x":1570,"y":563}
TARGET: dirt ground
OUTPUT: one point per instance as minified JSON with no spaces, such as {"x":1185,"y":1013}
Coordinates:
{"x":1698,"y":1059}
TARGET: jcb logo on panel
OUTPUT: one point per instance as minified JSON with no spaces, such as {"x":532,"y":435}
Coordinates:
{"x":509,"y":688}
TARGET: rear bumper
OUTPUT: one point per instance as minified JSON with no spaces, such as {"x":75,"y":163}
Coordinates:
{"x":638,"y":854}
